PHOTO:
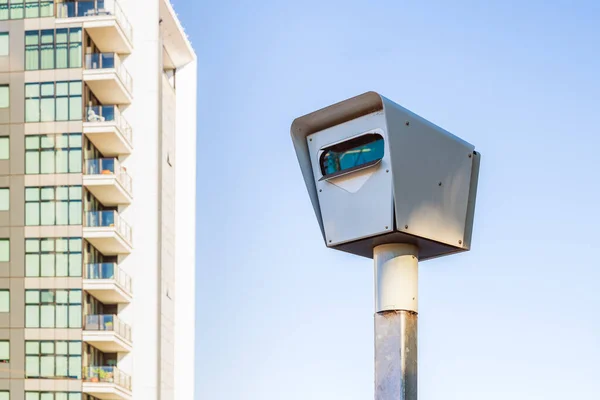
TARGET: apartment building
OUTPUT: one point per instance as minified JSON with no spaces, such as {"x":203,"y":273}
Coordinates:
{"x":97,"y":201}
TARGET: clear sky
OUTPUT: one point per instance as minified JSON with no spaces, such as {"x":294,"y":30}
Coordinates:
{"x":279,"y":316}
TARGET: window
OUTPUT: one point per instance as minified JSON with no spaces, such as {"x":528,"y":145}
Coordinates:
{"x":53,"y":49}
{"x":53,"y":308}
{"x":4,"y":148}
{"x":4,"y":351}
{"x":53,"y":359}
{"x":4,"y":300}
{"x":4,"y":96}
{"x":60,"y":205}
{"x":53,"y":257}
{"x":53,"y":101}
{"x":53,"y":154}
{"x":4,"y":250}
{"x":4,"y":395}
{"x":354,"y":154}
{"x":4,"y":43}
{"x":17,"y":9}
{"x":4,"y":199}
{"x":53,"y":396}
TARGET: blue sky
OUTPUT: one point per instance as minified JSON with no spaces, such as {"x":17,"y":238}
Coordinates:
{"x":280,"y":316}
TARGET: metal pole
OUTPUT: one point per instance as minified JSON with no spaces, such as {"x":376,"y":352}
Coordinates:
{"x":396,"y":306}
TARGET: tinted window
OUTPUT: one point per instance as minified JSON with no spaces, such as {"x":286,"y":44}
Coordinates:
{"x":351,"y":155}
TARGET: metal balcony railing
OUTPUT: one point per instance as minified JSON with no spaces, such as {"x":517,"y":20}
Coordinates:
{"x":109,"y":219}
{"x":110,"y":61}
{"x":107,"y":375}
{"x":104,"y":271}
{"x":109,"y":113}
{"x":108,"y":323}
{"x":94,"y":8}
{"x":109,"y":166}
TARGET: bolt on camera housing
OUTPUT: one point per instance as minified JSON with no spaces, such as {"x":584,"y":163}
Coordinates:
{"x":379,"y":174}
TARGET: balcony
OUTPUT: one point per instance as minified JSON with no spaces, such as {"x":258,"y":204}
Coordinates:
{"x":107,"y":383}
{"x":108,"y":181}
{"x":108,"y":283}
{"x":103,"y":20}
{"x":107,"y":78}
{"x":108,"y":130}
{"x":107,"y":333}
{"x":107,"y":232}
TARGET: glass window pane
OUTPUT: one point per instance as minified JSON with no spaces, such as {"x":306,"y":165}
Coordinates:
{"x":32,"y":347}
{"x":62,"y":348}
{"x":62,"y":35}
{"x":47,"y":210}
{"x":32,"y":162}
{"x":75,"y":193}
{"x":62,"y":296}
{"x":75,"y":245}
{"x":47,"y":244}
{"x":32,"y":316}
{"x":4,"y":250}
{"x":75,"y":297}
{"x":47,"y":316}
{"x":75,"y":317}
{"x":32,"y":245}
{"x":32,"y":366}
{"x":47,"y":109}
{"x":4,"y":96}
{"x":4,"y":44}
{"x":62,"y":366}
{"x":75,"y":348}
{"x":62,"y":88}
{"x":32,"y":265}
{"x":32,"y":297}
{"x":62,"y":315}
{"x":47,"y":366}
{"x":16,"y":9}
{"x":47,"y":296}
{"x":62,"y":56}
{"x":75,"y":140}
{"x":32,"y":10}
{"x":75,"y":55}
{"x":4,"y":301}
{"x":47,"y":193}
{"x":75,"y":367}
{"x":62,"y":193}
{"x":62,"y":213}
{"x":47,"y":396}
{"x":75,"y":108}
{"x":32,"y":110}
{"x":62,"y":245}
{"x":4,"y":148}
{"x":75,"y":264}
{"x":32,"y":58}
{"x":4,"y":350}
{"x":62,"y":109}
{"x":47,"y":347}
{"x":62,"y":141}
{"x":75,"y":213}
{"x":32,"y":194}
{"x":32,"y":90}
{"x":32,"y":396}
{"x":32,"y":142}
{"x":75,"y":88}
{"x":32,"y":214}
{"x":47,"y":89}
{"x":75,"y":161}
{"x":62,"y":264}
{"x":47,"y":162}
{"x":4,"y":10}
{"x":47,"y":265}
{"x":4,"y":199}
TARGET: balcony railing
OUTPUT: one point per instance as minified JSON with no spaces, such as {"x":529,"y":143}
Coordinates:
{"x":109,"y":166}
{"x":109,"y":219}
{"x":109,"y":61}
{"x":94,"y":8}
{"x":110,"y":271}
{"x":109,"y":113}
{"x":107,"y":375}
{"x":108,"y":323}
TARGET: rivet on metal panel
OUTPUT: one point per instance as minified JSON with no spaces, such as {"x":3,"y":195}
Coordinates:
{"x":310,"y":139}
{"x":405,"y":226}
{"x":320,"y":190}
{"x":387,"y":170}
{"x":329,"y":240}
{"x":470,"y":155}
{"x":460,"y":242}
{"x":387,"y":227}
{"x":407,"y":123}
{"x":440,"y":184}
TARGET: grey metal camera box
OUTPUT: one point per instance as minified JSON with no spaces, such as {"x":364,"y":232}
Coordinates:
{"x":377,"y":173}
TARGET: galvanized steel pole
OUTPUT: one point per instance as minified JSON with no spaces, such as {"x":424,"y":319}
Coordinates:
{"x":396,"y":306}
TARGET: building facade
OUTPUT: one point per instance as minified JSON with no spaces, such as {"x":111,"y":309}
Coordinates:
{"x":97,"y":201}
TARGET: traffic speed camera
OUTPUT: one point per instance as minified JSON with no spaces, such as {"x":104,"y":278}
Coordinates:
{"x":377,"y":173}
